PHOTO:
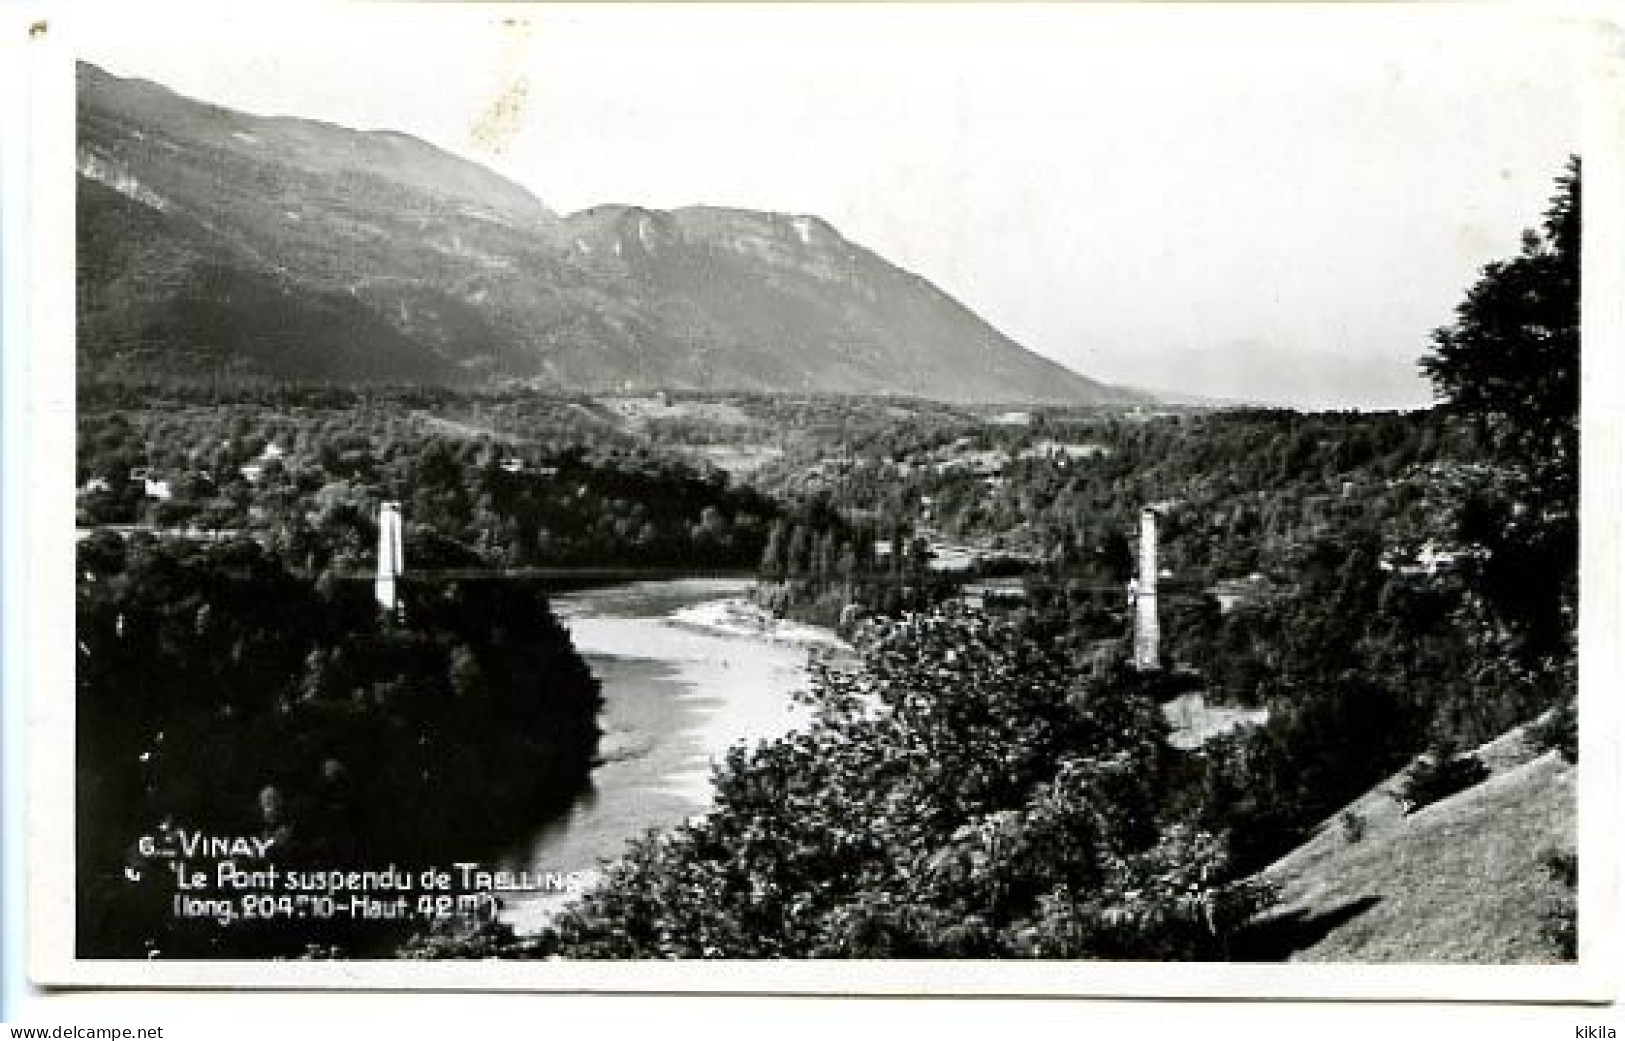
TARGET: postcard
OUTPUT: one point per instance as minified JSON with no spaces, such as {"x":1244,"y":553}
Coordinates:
{"x":908,"y":499}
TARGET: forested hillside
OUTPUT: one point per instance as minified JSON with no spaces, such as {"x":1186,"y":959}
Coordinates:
{"x":304,"y":471}
{"x":219,"y":693}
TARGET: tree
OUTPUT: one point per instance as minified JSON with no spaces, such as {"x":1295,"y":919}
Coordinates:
{"x":1513,"y":357}
{"x":207,"y":676}
{"x":966,"y":793}
{"x":1115,"y":556}
{"x":800,"y":552}
{"x":465,"y":674}
{"x":1512,"y":362}
{"x":773,"y":554}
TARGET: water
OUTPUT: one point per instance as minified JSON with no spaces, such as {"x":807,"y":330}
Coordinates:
{"x":687,"y":670}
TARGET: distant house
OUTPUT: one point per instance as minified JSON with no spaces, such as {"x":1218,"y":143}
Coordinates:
{"x":994,"y":592}
{"x":1193,"y":722}
{"x":254,"y":470}
{"x":512,"y":465}
{"x":1238,"y":592}
{"x":155,"y":488}
{"x":1435,"y":559}
{"x":96,"y":484}
{"x":1063,"y":450}
{"x":1430,"y":559}
{"x":980,"y":464}
{"x":944,"y":557}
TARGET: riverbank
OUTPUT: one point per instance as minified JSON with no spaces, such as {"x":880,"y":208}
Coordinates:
{"x":737,"y":616}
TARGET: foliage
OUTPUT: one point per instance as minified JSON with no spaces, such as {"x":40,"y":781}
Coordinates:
{"x":1438,"y":774}
{"x":1559,"y":729}
{"x":505,"y":480}
{"x":964,"y":793}
{"x":1378,"y":582}
{"x":1511,"y":362}
{"x":1437,"y":606}
{"x":217,"y":691}
{"x":1562,"y":928}
{"x":1242,"y":488}
{"x":821,"y":568}
{"x":1563,"y":866}
{"x":1321,"y":746}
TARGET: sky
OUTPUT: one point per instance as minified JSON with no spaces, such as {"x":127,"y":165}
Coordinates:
{"x":1257,"y":203}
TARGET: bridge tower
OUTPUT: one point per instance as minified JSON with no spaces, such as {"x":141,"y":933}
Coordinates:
{"x":1147,"y":634}
{"x":391,"y":556}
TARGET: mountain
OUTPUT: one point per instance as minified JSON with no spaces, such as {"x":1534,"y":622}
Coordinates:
{"x":213,"y":241}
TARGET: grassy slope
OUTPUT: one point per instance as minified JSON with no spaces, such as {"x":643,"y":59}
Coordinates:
{"x":1458,"y":881}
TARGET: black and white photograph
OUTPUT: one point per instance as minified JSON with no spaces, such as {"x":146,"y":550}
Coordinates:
{"x":1053,"y":485}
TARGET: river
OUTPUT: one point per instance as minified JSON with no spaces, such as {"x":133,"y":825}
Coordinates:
{"x":688,"y":669}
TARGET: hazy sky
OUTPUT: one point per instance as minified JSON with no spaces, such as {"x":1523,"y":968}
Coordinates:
{"x":1239,"y":203}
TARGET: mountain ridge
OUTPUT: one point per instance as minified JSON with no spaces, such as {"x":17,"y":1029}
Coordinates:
{"x":426,"y":266}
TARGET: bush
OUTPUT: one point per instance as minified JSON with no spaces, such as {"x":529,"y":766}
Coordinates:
{"x":1561,"y":919}
{"x":1559,"y":729}
{"x":1437,"y":774}
{"x":1563,"y":866}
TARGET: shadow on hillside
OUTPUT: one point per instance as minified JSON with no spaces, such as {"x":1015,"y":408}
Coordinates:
{"x":1279,"y":937}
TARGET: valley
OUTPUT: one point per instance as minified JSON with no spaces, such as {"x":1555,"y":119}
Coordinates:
{"x":710,"y":565}
{"x":1288,"y":546}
